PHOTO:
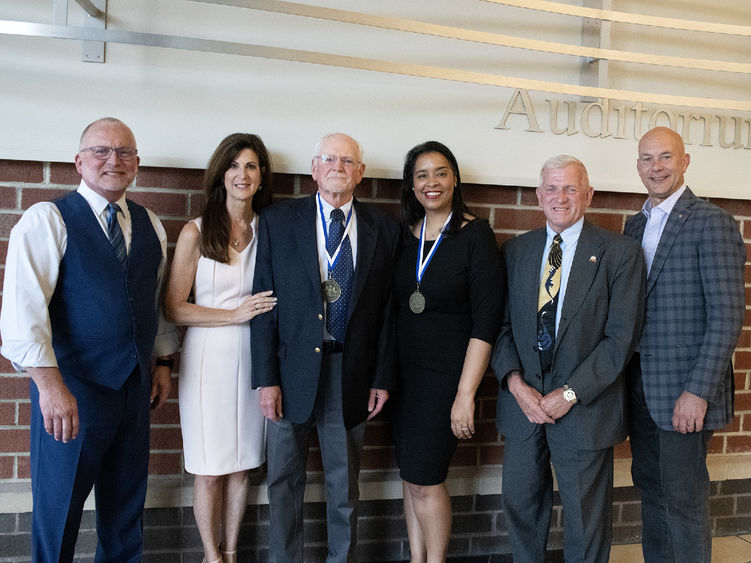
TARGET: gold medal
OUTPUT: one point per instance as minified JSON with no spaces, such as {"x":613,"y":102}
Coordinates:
{"x":417,"y":302}
{"x":331,"y":290}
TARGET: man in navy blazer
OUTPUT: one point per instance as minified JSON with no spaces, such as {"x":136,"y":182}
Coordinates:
{"x":80,"y":317}
{"x":568,"y":407}
{"x":681,"y":380}
{"x":309,"y":371}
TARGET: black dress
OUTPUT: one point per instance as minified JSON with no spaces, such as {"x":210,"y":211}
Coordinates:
{"x":463,"y":289}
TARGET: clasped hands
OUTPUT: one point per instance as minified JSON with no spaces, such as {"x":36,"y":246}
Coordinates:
{"x":537,"y":408}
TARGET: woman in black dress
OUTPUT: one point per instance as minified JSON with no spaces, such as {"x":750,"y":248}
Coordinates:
{"x":449,"y":292}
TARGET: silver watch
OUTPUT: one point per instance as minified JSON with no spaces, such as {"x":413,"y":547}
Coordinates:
{"x":570,"y":395}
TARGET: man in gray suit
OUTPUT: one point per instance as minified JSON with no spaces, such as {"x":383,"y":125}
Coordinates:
{"x":681,"y":381}
{"x":576,"y":294}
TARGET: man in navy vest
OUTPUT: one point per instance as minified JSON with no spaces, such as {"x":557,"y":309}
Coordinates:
{"x":80,"y":316}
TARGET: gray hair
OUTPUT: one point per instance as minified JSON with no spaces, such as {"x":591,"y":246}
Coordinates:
{"x":562,"y":161}
{"x":316,"y":150}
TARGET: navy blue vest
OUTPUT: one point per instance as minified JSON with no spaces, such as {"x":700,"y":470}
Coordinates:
{"x":104,"y":319}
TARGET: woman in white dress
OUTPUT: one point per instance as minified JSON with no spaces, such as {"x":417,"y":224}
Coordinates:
{"x":222,"y":425}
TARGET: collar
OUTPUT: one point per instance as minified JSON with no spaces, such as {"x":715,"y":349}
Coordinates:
{"x":328,"y":208}
{"x":99,"y":203}
{"x":569,"y":236}
{"x":666,"y":206}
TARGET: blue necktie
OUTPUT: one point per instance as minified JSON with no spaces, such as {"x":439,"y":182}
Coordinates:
{"x":116,"y":234}
{"x":343,"y":273}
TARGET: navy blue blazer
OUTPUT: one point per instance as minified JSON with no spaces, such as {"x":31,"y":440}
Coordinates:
{"x":695,"y":309}
{"x":286,"y":342}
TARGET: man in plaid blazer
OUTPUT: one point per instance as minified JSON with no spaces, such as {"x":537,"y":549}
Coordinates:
{"x":681,"y":379}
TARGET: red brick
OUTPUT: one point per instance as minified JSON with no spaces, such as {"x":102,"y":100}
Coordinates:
{"x":482,"y":211}
{"x":609,"y":221}
{"x":14,"y":387}
{"x":744,"y":339}
{"x":175,"y":178}
{"x":529,"y":197}
{"x":616,"y":200}
{"x":21,"y":171}
{"x":389,"y":189}
{"x":166,"y":439}
{"x":196,"y":203}
{"x":378,"y":434}
{"x":741,"y":381}
{"x":7,"y":222}
{"x":466,"y":454}
{"x":486,"y":408}
{"x":743,"y":401}
{"x":168,"y":413}
{"x":15,"y":440}
{"x":24,"y":467}
{"x":315,"y":463}
{"x":8,"y":197}
{"x":173,"y":228}
{"x":491,"y":455}
{"x":3,"y":250}
{"x":734,"y":425}
{"x":378,"y":458}
{"x":747,"y":271}
{"x":64,"y":173}
{"x":30,"y":196}
{"x":622,"y":450}
{"x":736,"y":207}
{"x":746,"y":229}
{"x":485,"y":431}
{"x":162,"y":203}
{"x":5,"y":365}
{"x":717,"y":444}
{"x":500,"y":238}
{"x":518,"y":219}
{"x":497,"y":195}
{"x":742,"y":359}
{"x":308,"y":185}
{"x":738,"y":444}
{"x":165,"y":464}
{"x":7,"y":414}
{"x":24,"y":413}
{"x":6,"y":466}
{"x":284,"y":184}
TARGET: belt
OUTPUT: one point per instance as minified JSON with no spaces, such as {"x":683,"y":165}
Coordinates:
{"x":332,"y":346}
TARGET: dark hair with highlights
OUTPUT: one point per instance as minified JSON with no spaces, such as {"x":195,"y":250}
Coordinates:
{"x":412,"y":210}
{"x":215,"y":226}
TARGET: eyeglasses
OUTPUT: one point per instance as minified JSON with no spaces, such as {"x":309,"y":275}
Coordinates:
{"x":330,"y":159}
{"x":103,"y":153}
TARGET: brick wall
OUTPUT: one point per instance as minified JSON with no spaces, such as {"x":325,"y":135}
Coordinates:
{"x":175,"y":195}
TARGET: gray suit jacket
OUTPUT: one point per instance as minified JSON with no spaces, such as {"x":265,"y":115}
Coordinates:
{"x":694,"y":311}
{"x":600,"y":321}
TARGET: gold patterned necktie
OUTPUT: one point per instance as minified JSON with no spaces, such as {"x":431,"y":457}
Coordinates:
{"x":547,"y":302}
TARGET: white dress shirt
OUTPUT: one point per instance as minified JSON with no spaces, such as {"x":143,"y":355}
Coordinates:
{"x":657,"y":217}
{"x":568,"y":247}
{"x":35,"y":249}
{"x":323,"y":264}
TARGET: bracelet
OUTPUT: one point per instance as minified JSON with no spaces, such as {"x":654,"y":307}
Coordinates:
{"x":167,"y":362}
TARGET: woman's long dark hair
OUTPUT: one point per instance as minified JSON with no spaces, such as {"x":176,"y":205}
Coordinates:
{"x":215,"y":226}
{"x":412,"y":210}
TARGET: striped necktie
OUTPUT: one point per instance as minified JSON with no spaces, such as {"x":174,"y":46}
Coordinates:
{"x":116,"y":234}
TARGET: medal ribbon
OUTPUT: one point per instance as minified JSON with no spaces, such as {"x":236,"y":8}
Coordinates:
{"x":329,"y":258}
{"x":423,"y":264}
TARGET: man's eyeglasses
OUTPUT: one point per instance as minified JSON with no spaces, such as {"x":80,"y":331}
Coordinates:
{"x":103,"y":153}
{"x":331,"y":159}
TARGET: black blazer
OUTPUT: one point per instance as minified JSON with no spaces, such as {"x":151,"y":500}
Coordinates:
{"x":286,"y":342}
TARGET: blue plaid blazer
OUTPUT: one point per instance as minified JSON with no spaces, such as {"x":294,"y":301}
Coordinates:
{"x":694,"y":311}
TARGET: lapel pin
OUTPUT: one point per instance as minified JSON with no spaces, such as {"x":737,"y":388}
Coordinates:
{"x":593,"y":258}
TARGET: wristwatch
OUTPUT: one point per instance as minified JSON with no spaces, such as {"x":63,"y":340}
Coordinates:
{"x":569,"y":395}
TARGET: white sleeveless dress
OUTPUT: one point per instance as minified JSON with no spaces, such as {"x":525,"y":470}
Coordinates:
{"x":223,"y":428}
